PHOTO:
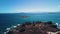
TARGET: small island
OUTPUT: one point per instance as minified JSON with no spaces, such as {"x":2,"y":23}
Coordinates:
{"x":24,"y":16}
{"x":35,"y":28}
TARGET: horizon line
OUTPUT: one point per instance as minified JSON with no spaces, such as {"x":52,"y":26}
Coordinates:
{"x":31,"y":12}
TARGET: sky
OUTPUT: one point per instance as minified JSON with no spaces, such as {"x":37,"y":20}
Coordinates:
{"x":17,"y":6}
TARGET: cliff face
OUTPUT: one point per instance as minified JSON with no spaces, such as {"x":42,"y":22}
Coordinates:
{"x":34,"y":28}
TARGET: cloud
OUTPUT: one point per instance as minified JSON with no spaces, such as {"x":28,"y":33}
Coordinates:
{"x":36,"y":10}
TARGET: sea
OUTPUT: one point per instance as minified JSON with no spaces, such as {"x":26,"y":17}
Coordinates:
{"x":11,"y":19}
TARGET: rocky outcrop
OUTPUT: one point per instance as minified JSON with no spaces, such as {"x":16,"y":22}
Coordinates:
{"x":34,"y":28}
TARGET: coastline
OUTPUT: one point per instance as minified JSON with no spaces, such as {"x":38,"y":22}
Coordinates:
{"x":34,"y":27}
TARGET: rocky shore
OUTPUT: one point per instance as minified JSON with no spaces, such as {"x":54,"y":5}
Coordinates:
{"x":35,"y":28}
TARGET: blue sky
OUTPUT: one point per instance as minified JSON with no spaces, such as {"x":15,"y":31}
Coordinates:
{"x":16,"y":6}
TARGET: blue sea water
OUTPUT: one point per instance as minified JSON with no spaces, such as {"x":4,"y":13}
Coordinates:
{"x":8,"y":20}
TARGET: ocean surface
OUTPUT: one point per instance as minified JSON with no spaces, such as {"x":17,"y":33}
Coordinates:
{"x":11,"y":19}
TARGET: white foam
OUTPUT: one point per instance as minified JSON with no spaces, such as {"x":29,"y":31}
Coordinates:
{"x":57,"y":24}
{"x":18,"y":24}
{"x":8,"y":29}
{"x":14,"y":26}
{"x":5,"y":32}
